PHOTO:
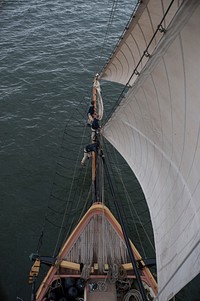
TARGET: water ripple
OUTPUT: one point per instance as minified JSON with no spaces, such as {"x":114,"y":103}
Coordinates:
{"x":49,"y":54}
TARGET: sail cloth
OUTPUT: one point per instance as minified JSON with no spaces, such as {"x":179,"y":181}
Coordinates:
{"x":139,"y":40}
{"x":157,"y":130}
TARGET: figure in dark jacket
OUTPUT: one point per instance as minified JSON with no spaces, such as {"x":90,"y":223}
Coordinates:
{"x":90,"y":113}
{"x":94,"y":127}
{"x":88,"y":150}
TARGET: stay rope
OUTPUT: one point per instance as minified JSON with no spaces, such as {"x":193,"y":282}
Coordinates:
{"x":127,"y":241}
{"x":53,"y":196}
{"x":131,"y":205}
{"x":46,"y":213}
{"x":109,"y":24}
{"x":77,"y":205}
{"x":70,"y":192}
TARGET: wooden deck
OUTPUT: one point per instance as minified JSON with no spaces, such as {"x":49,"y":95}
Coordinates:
{"x":97,"y":245}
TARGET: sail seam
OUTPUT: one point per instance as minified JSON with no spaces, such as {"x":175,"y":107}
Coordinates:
{"x":161,"y":152}
{"x":179,"y":267}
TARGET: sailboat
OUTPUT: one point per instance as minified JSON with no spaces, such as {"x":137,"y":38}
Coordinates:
{"x":155,"y":127}
{"x":97,"y":261}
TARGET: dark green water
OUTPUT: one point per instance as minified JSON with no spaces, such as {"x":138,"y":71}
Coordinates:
{"x":49,"y":54}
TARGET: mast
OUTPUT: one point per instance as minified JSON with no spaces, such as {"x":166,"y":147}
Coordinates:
{"x":95,"y":182}
{"x":94,"y":194}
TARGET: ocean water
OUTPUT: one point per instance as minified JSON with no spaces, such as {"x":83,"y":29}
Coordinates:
{"x":49,"y":54}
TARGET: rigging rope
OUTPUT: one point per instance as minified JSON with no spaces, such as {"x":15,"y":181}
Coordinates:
{"x":59,"y":194}
{"x":70,"y":191}
{"x":131,"y":205}
{"x":133,"y":295}
{"x":132,"y":208}
{"x":127,"y":241}
{"x":109,"y":24}
{"x":160,"y":28}
{"x":46,"y":214}
{"x":86,"y":202}
{"x":77,"y":205}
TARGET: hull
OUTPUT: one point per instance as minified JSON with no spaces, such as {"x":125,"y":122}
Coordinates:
{"x":94,"y":264}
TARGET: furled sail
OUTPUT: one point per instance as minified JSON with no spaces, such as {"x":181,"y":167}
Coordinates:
{"x":157,"y":130}
{"x":98,"y":97}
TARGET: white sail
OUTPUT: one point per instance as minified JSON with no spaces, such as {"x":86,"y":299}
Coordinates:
{"x":134,"y":48}
{"x":157,"y":130}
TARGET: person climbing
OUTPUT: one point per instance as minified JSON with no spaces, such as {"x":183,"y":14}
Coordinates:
{"x":87,"y":151}
{"x":94,"y":127}
{"x":90,"y":113}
